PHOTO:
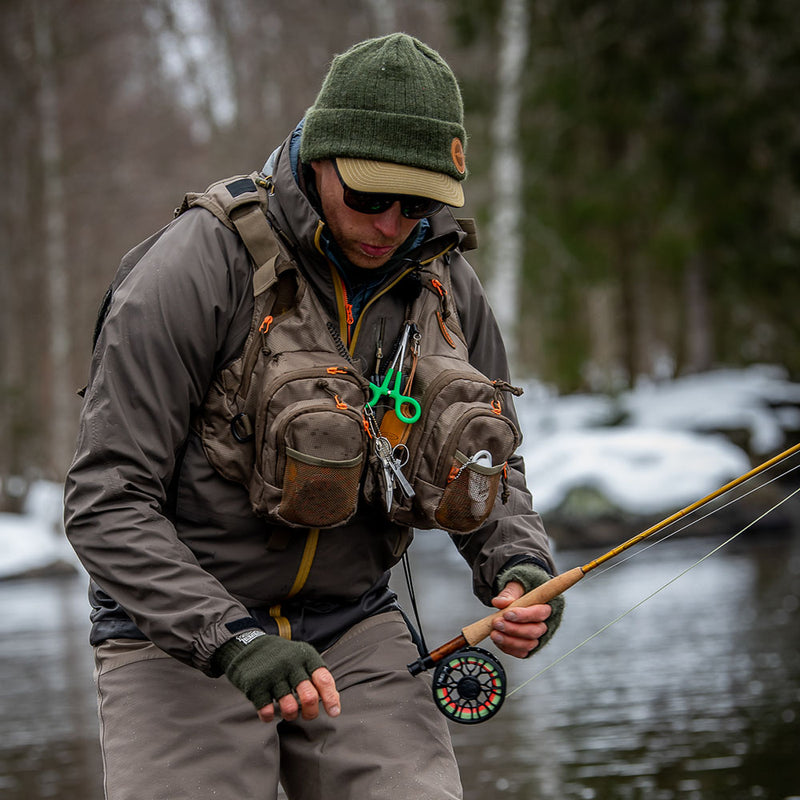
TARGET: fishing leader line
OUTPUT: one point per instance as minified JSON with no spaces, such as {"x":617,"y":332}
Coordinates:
{"x":657,"y":591}
{"x":696,"y":521}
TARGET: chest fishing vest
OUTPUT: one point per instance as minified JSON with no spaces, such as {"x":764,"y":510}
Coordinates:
{"x":294,"y":420}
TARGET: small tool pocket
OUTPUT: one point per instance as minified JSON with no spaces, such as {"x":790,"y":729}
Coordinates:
{"x":471,"y":489}
{"x":458,"y":456}
{"x":310,"y":449}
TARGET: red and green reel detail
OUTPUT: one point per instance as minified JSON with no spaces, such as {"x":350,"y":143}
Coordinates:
{"x":469,"y":686}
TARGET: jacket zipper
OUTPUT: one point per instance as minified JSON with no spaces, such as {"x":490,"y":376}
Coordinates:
{"x":348,"y":325}
{"x":343,"y":306}
{"x":374,"y":299}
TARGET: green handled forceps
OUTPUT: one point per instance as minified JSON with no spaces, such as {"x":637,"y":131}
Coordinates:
{"x":392,"y":388}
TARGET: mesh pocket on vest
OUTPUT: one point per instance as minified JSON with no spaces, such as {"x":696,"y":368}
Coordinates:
{"x":469,"y":495}
{"x":319,"y":492}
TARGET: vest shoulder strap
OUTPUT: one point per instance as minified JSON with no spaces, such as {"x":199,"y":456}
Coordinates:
{"x":241,"y":204}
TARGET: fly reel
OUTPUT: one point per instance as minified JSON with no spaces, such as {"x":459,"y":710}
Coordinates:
{"x":469,"y":686}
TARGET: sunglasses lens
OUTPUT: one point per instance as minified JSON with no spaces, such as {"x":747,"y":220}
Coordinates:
{"x":419,"y":207}
{"x":411,"y":207}
{"x":367,"y":202}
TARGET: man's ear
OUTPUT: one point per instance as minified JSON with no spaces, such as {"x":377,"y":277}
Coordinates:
{"x":318,"y":164}
{"x":312,"y":177}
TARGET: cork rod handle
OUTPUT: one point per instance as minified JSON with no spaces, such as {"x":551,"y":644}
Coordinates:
{"x":479,"y":630}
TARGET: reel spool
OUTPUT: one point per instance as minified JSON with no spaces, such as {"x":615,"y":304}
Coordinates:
{"x":469,"y":686}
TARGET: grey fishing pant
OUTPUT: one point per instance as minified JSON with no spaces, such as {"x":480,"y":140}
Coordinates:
{"x":168,"y":732}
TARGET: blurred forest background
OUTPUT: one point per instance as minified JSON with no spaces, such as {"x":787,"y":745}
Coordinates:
{"x":634,"y":169}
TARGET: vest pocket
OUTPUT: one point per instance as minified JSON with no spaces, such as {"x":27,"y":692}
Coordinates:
{"x":319,"y":492}
{"x":469,"y":494}
{"x":459,"y":464}
{"x":468,"y":472}
{"x":310,"y":454}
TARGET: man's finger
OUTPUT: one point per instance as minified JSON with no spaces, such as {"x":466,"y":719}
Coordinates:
{"x":288,"y":707}
{"x":514,"y":646}
{"x":537,"y":613}
{"x":267,"y":713}
{"x":326,"y":686}
{"x":530,"y":631}
{"x":511,"y":591}
{"x":309,"y":699}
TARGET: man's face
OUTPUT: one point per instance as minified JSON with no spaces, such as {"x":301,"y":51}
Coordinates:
{"x":367,"y":240}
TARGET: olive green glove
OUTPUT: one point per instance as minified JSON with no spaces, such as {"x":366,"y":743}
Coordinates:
{"x":266,"y":667}
{"x":531,"y":576}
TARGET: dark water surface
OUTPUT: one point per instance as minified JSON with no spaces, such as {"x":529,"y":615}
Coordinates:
{"x":696,"y":694}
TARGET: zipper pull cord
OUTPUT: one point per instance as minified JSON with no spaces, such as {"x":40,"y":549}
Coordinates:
{"x":416,"y":339}
{"x":341,"y":348}
{"x":379,"y":347}
{"x":506,"y":493}
{"x":442,"y":292}
{"x":505,"y":386}
{"x":444,"y":313}
{"x":326,"y":387}
{"x":263,"y":329}
{"x":501,"y":386}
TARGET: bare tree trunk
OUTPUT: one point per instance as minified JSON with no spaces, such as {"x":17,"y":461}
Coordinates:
{"x":192,"y":57}
{"x":11,"y":358}
{"x":505,"y":238}
{"x":385,"y":15}
{"x":55,"y":244}
{"x":11,"y":368}
{"x":698,"y":317}
{"x":604,"y":366}
{"x":639,"y":354}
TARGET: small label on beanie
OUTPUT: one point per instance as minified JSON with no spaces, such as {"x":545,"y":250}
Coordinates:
{"x":457,"y":152}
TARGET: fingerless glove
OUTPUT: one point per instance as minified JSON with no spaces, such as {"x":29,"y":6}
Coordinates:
{"x":266,"y":667}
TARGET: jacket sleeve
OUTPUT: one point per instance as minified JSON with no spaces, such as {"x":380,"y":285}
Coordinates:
{"x":168,"y":327}
{"x":514,"y":532}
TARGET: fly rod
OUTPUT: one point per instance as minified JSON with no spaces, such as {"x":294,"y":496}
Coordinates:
{"x":468,"y":690}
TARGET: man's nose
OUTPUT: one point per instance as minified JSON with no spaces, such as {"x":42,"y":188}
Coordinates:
{"x":389,"y":222}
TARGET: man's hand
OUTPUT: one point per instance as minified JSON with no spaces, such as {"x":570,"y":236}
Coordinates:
{"x":518,"y":631}
{"x":321,"y":688}
{"x":272,"y":671}
{"x":521,"y":630}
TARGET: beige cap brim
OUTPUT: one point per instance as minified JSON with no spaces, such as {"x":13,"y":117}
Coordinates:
{"x":385,"y":177}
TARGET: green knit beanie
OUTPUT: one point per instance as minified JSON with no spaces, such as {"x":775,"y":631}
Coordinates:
{"x":391,"y":99}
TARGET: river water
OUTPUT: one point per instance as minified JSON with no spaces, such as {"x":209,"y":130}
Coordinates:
{"x":695,"y":694}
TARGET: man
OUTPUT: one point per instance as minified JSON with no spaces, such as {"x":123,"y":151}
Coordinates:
{"x":188,"y":581}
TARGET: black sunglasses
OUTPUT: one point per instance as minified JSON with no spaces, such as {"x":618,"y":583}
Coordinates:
{"x":411,"y":206}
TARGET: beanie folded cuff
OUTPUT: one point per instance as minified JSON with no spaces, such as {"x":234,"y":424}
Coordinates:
{"x":382,"y":136}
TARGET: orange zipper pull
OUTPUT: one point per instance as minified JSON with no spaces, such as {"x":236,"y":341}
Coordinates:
{"x":263,"y":328}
